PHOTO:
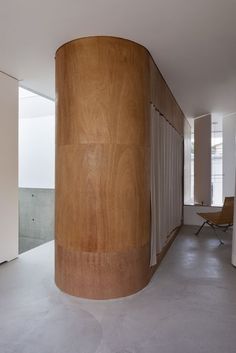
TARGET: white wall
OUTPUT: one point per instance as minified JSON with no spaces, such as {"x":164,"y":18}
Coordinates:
{"x":229,"y":131}
{"x":190,"y":213}
{"x":36,"y":141}
{"x":37,"y":152}
{"x":8,"y":168}
{"x":234,"y":233}
{"x":234,"y":227}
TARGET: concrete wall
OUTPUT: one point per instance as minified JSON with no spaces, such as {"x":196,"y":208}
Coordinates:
{"x":8,"y":168}
{"x":36,"y":217}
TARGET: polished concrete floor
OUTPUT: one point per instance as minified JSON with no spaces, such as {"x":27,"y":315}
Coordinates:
{"x":189,"y":306}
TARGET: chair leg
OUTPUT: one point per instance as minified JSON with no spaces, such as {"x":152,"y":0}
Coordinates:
{"x":220,"y":240}
{"x":200,"y":228}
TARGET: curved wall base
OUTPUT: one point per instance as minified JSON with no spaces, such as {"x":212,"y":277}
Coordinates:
{"x":102,"y":275}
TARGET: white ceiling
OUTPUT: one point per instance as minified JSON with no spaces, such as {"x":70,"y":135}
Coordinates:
{"x":192,"y":41}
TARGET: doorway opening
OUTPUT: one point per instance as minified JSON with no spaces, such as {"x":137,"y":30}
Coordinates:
{"x":36,"y":169}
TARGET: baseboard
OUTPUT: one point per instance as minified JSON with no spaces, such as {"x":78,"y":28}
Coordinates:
{"x":234,"y":260}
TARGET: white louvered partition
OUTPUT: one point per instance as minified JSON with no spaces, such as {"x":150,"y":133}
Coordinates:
{"x":166,"y":181}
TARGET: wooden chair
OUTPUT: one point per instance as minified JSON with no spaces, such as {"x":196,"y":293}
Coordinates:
{"x":222,"y":220}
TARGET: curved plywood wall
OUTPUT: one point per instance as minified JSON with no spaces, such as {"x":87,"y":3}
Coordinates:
{"x":104,"y":86}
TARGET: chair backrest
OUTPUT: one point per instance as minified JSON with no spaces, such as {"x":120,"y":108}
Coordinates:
{"x":227,"y":212}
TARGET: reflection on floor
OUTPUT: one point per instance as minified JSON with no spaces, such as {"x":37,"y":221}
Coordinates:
{"x":189,"y":306}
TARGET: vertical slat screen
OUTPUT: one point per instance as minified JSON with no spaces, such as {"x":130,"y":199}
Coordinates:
{"x":166,"y":182}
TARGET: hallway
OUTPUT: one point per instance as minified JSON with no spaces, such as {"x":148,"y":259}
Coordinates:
{"x":189,"y":306}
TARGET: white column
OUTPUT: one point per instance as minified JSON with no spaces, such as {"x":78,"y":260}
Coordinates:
{"x":8,"y":168}
{"x":202,"y":160}
{"x":234,"y":230}
{"x":229,"y":129}
{"x":187,"y":163}
{"x":234,"y":239}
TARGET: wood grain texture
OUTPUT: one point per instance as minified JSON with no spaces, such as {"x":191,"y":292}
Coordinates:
{"x":102,"y":275}
{"x":104,"y":86}
{"x":102,"y":167}
{"x":110,"y":199}
{"x":103,"y":90}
